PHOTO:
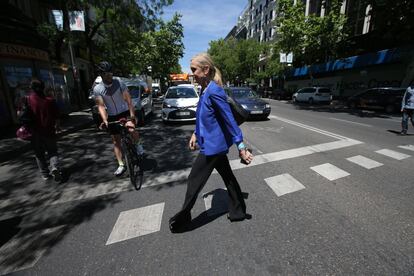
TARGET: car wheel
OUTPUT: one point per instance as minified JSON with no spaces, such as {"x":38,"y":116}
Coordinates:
{"x":310,"y":101}
{"x":294,"y":100}
{"x":279,"y":98}
{"x":389,"y":109}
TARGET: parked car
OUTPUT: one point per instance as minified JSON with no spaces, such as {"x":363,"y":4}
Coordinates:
{"x":250,"y":101}
{"x":381,"y":98}
{"x":180,"y":103}
{"x":313,"y":95}
{"x":141,"y":100}
{"x":281,"y":94}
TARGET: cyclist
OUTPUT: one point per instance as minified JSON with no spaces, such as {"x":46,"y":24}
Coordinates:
{"x":114,"y":103}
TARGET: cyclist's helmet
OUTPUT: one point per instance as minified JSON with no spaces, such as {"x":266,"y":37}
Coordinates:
{"x":104,"y":67}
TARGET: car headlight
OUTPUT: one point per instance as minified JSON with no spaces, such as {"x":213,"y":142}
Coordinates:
{"x":165,"y":105}
{"x":267,"y":105}
{"x":244,"y":106}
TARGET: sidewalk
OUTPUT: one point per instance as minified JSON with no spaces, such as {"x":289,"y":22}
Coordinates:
{"x":11,"y":147}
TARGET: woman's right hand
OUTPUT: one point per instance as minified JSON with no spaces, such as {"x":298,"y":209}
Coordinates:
{"x":193,"y":142}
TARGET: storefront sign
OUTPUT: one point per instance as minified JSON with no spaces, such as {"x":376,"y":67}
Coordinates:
{"x":76,"y":21}
{"x":11,"y":50}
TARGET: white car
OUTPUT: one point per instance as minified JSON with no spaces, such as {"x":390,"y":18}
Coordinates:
{"x":313,"y":95}
{"x":180,"y":104}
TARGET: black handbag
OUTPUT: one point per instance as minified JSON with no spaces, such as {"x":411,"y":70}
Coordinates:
{"x":239,"y":113}
{"x":26,"y":116}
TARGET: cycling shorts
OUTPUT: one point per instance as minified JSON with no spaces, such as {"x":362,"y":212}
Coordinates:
{"x":124,"y":115}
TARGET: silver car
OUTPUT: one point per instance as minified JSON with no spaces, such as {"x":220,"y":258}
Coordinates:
{"x":313,"y":95}
{"x":141,"y":98}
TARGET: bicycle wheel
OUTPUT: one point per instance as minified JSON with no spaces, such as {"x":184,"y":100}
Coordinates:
{"x":130,"y":163}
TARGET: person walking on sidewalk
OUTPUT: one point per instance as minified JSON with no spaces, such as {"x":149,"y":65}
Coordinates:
{"x":216,"y":131}
{"x":114,"y":103}
{"x":44,"y":126}
{"x":407,"y":109}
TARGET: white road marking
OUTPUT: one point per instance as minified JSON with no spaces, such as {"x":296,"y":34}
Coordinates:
{"x":393,"y":154}
{"x":292,"y":153}
{"x":216,"y":202}
{"x":116,"y":186}
{"x":329,"y":171}
{"x":364,"y":162}
{"x":284,"y":184}
{"x":23,"y":252}
{"x":346,"y":121}
{"x":407,"y":147}
{"x":324,"y":132}
{"x":137,"y":222}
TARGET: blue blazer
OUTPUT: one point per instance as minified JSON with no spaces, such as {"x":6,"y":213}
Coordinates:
{"x":216,"y":128}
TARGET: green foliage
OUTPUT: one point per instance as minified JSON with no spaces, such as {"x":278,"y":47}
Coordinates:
{"x":312,"y":38}
{"x":237,"y":59}
{"x":161,"y":49}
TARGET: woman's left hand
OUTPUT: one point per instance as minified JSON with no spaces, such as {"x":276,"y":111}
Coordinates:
{"x":246,"y":155}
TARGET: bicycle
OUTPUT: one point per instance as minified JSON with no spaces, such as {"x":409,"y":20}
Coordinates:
{"x":133,"y":160}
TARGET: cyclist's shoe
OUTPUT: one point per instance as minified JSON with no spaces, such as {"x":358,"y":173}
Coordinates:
{"x":140,"y":150}
{"x":57,"y":175}
{"x":121,"y":169}
{"x":45,"y":177}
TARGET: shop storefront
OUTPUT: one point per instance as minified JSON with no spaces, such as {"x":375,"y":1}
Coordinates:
{"x":18,"y":65}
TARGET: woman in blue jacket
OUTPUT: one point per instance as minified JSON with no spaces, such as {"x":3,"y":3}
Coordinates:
{"x":216,"y":131}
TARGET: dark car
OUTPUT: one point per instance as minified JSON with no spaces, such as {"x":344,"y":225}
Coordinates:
{"x":281,"y":94}
{"x":250,"y":101}
{"x":381,"y":98}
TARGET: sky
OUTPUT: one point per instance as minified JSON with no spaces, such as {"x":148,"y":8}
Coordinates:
{"x":203,"y":21}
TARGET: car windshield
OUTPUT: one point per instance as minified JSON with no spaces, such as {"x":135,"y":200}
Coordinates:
{"x":181,"y":92}
{"x":243,"y":93}
{"x":133,"y":91}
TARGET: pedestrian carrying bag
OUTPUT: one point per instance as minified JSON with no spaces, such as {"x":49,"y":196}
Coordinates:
{"x":26,"y":118}
{"x":239,"y":113}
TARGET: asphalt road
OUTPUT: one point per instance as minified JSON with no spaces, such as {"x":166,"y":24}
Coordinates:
{"x":330,"y":192}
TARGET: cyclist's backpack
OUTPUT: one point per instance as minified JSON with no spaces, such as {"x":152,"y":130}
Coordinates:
{"x":239,"y":113}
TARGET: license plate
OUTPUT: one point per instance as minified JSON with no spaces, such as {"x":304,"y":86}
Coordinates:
{"x":256,"y":112}
{"x":183,"y":113}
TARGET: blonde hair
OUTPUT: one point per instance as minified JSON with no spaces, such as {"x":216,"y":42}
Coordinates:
{"x":204,"y":59}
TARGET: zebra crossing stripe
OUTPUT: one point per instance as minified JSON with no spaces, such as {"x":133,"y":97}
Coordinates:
{"x":364,"y":162}
{"x":284,"y":184}
{"x":137,"y":222}
{"x":329,"y":171}
{"x":407,"y":147}
{"x":393,"y":154}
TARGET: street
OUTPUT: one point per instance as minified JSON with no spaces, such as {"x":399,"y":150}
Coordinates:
{"x":330,"y":192}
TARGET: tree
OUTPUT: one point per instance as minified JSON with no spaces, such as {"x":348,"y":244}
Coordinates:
{"x":312,"y":38}
{"x":237,"y":59}
{"x":161,"y":49}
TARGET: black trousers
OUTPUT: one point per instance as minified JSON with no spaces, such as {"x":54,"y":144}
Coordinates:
{"x":201,"y":171}
{"x":43,"y":144}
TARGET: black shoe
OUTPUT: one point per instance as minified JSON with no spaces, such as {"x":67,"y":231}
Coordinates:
{"x":246,"y":216}
{"x":403,"y":132}
{"x":179,"y":222}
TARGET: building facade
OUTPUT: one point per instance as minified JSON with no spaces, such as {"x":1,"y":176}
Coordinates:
{"x":24,"y":55}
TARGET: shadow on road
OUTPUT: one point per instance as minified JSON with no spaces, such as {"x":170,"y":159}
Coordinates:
{"x":35,"y":215}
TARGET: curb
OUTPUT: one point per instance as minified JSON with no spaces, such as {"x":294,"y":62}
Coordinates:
{"x":25,"y":147}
